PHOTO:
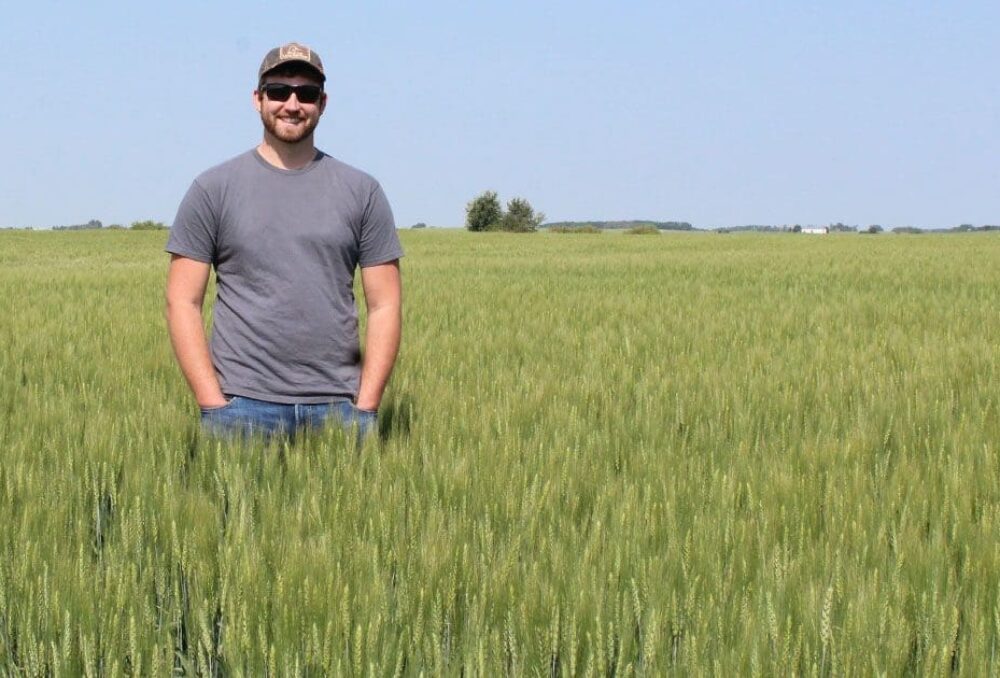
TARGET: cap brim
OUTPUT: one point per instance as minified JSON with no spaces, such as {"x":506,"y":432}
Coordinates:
{"x":316,"y":71}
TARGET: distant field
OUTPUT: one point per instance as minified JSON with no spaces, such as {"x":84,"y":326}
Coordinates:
{"x":677,"y":454}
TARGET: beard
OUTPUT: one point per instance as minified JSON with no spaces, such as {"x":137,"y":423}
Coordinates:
{"x":290,"y":135}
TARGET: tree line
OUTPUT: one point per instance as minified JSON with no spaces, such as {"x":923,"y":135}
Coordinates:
{"x":844,"y":228}
{"x":620,"y":225}
{"x":93,"y":224}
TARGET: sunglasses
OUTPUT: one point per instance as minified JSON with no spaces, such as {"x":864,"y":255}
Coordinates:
{"x":278,"y":91}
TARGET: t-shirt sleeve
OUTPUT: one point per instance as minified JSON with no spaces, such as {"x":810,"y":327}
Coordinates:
{"x":194,"y":230}
{"x":379,"y":241}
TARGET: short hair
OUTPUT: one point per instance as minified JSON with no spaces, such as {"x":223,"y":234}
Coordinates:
{"x":292,"y":69}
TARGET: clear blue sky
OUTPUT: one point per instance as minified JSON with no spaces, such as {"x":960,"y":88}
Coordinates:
{"x":717,"y":113}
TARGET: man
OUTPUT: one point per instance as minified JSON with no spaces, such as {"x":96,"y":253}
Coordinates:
{"x":285,"y":225}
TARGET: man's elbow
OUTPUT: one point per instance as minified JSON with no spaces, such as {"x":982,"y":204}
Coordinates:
{"x":388,"y":308}
{"x":175,"y":305}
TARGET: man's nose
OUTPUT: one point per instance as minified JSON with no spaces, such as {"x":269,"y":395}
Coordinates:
{"x":293,"y":102}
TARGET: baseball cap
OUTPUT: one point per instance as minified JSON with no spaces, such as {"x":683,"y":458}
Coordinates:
{"x":293,"y":51}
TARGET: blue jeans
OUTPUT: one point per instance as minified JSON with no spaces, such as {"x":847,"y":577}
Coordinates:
{"x":246,"y":416}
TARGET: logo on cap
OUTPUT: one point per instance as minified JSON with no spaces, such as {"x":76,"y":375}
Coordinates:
{"x":294,"y":51}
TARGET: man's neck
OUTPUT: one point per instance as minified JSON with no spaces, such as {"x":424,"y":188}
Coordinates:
{"x":287,"y":156}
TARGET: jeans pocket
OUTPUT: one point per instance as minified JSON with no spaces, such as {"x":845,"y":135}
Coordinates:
{"x":205,"y":411}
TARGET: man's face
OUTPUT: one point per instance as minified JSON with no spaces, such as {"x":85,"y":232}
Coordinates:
{"x":290,"y":121}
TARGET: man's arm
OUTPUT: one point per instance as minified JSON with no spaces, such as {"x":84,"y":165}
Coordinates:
{"x":384,"y":300}
{"x":186,"y":282}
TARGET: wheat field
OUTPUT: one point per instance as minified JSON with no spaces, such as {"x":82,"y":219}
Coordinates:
{"x":600,"y":455}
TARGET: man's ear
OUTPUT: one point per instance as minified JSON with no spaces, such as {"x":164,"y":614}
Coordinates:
{"x":322,"y":103}
{"x":256,"y":99}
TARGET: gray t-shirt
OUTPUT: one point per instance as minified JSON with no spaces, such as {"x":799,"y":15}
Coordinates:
{"x":285,"y":245}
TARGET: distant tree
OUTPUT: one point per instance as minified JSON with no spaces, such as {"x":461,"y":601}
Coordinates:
{"x":148,"y":225}
{"x":797,"y":228}
{"x":842,"y":228}
{"x":520,"y":217}
{"x":419,"y":224}
{"x":874,"y":228}
{"x":484,"y":212}
{"x":643,"y":230}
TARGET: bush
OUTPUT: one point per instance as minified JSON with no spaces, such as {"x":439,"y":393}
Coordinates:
{"x":643,"y":230}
